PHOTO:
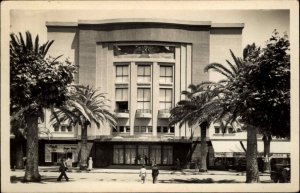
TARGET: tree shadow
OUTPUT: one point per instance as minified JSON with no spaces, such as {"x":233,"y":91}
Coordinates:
{"x":44,"y":179}
{"x":197,"y":181}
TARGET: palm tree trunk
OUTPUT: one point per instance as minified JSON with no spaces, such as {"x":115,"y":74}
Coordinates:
{"x":19,"y":152}
{"x":252,"y":175}
{"x":83,"y":154}
{"x":203,"y":167}
{"x":267,"y":143}
{"x":32,"y":170}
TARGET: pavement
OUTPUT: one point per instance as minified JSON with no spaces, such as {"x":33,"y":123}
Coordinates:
{"x":128,"y":180}
{"x":134,"y":171}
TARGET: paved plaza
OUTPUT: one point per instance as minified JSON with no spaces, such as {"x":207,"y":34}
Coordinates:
{"x":49,"y":175}
{"x":127,"y":180}
{"x":110,"y":179}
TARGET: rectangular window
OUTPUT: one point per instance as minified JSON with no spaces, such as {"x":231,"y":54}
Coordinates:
{"x":149,"y":129}
{"x":56,"y":128}
{"x":143,"y":129}
{"x":130,"y":154}
{"x":172,"y":129}
{"x":121,"y":129}
{"x":167,"y":155}
{"x":127,"y":129}
{"x":118,"y":155}
{"x":144,"y":73}
{"x":166,"y":74}
{"x":165,"y":129}
{"x":122,"y":100}
{"x":158,"y":129}
{"x":217,"y":129}
{"x":143,"y":99}
{"x":165,"y":99}
{"x":155,"y":154}
{"x":63,"y":128}
{"x":136,"y":129}
{"x":122,"y":74}
{"x":69,"y":128}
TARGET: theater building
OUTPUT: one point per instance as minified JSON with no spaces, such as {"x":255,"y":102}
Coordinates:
{"x":142,"y":65}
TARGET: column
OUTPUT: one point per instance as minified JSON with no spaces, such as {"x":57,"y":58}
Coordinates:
{"x":155,"y":96}
{"x":133,"y":95}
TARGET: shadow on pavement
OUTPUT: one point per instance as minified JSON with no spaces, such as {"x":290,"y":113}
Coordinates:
{"x":14,"y":179}
{"x":197,"y":181}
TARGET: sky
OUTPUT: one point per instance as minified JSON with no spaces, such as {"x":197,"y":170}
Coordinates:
{"x":259,"y":24}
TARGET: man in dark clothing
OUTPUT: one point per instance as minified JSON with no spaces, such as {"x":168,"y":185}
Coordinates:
{"x":155,"y":173}
{"x":62,"y":169}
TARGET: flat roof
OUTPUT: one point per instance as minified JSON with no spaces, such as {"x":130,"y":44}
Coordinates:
{"x":143,"y":20}
{"x":227,"y":25}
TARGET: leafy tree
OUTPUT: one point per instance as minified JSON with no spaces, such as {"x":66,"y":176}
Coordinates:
{"x":35,"y":83}
{"x":85,"y":106}
{"x":269,"y":77}
{"x":259,"y":95}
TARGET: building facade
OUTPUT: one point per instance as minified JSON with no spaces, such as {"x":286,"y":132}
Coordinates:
{"x":142,"y":65}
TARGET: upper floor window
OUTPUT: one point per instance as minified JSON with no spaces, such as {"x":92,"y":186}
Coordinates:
{"x":122,"y":74}
{"x":144,"y":73}
{"x":143,"y":99}
{"x":217,"y":129}
{"x":165,"y":129}
{"x":63,"y":128}
{"x":144,"y":51}
{"x":121,"y":129}
{"x":122,"y":100}
{"x":143,"y":129}
{"x":165,"y":99}
{"x":166,"y":74}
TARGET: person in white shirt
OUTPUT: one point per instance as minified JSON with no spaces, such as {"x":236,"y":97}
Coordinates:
{"x":143,"y":174}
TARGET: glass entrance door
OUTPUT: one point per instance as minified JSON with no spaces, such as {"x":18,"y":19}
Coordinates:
{"x":130,"y":154}
{"x":143,"y":155}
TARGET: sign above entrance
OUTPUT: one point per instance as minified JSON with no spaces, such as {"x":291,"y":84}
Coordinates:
{"x":144,"y":51}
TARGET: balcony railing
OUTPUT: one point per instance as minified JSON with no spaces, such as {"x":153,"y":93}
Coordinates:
{"x":164,"y":113}
{"x":122,"y":113}
{"x":143,"y":113}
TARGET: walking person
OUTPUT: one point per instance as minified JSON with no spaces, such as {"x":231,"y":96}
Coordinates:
{"x":155,"y":173}
{"x":62,"y":169}
{"x":143,"y":174}
{"x":90,"y":164}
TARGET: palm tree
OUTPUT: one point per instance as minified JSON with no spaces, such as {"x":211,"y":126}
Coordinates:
{"x":21,"y":52}
{"x":231,"y":92}
{"x":198,"y":108}
{"x":85,"y":106}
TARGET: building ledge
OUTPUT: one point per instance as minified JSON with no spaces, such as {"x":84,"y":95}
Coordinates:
{"x":61,"y":24}
{"x":143,"y":20}
{"x":227,"y":25}
{"x":164,"y":114}
{"x":143,"y":113}
{"x":122,"y":114}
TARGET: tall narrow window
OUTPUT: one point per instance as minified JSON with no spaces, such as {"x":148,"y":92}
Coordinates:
{"x":144,"y":73}
{"x":167,"y":155}
{"x":144,"y":99}
{"x":122,"y":74}
{"x":118,"y":154}
{"x":121,"y":99}
{"x":166,"y":74}
{"x":165,"y":99}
